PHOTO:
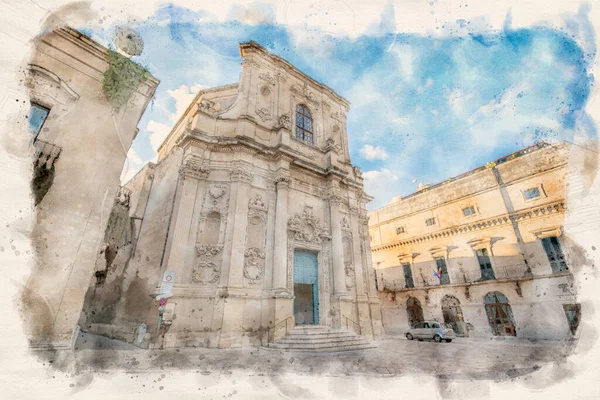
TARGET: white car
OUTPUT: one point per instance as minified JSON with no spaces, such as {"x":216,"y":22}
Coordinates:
{"x":437,"y":331}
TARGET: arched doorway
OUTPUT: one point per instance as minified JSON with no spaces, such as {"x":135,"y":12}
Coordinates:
{"x":499,"y":314}
{"x":414,"y":311}
{"x":453,"y":314}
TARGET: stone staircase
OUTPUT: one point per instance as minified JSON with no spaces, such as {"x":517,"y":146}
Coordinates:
{"x":315,"y":338}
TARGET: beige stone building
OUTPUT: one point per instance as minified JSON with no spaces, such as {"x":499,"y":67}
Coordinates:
{"x":79,"y":144}
{"x":485,"y":251}
{"x":256,"y":210}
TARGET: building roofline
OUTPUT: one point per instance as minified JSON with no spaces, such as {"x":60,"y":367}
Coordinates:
{"x":195,"y":101}
{"x":501,"y":160}
{"x":255,"y":46}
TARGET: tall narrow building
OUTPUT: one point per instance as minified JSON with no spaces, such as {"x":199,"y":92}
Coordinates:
{"x":256,"y":211}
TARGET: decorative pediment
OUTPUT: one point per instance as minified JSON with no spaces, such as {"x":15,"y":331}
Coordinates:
{"x":43,"y":82}
{"x":555,"y":231}
{"x":306,"y":227}
{"x":439,"y":251}
{"x":481,"y":243}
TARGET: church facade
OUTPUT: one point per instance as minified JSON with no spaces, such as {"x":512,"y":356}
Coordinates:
{"x":256,"y":211}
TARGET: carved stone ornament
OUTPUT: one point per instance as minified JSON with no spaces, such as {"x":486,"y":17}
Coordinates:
{"x":345,"y":224}
{"x":208,"y":107}
{"x":240,"y":174}
{"x":206,"y":271}
{"x":357,"y":172}
{"x":336,"y":128}
{"x":123,"y":196}
{"x":194,"y":169}
{"x":307,"y":227}
{"x":254,"y":264}
{"x":303,"y":90}
{"x":285,"y":121}
{"x":338,"y":116}
{"x":266,"y":76}
{"x":217,"y":191}
{"x":264,"y":114}
{"x":257,"y":203}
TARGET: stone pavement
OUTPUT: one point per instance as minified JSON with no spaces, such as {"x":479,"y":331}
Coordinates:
{"x":394,"y":356}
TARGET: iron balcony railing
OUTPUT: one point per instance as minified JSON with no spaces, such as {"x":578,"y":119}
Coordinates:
{"x":460,"y":277}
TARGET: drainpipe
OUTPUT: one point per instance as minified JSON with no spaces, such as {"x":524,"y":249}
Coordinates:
{"x":511,"y":209}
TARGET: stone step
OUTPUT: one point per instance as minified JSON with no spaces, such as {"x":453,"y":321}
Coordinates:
{"x":329,"y":348}
{"x":321,"y":335}
{"x":317,"y":341}
{"x":321,"y":339}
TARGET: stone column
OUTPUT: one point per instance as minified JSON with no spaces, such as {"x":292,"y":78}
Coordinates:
{"x":280,"y":242}
{"x":190,"y":175}
{"x":339,"y":273}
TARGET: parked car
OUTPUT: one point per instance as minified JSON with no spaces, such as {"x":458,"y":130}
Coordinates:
{"x":437,"y":331}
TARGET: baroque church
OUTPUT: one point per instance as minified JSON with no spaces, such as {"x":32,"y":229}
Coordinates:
{"x":254,"y":210}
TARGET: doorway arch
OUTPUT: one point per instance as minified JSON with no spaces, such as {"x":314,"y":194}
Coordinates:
{"x":499,"y":313}
{"x":453,"y":315}
{"x":414,"y":311}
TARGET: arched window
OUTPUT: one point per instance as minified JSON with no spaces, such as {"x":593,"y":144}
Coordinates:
{"x":304,"y":124}
{"x":499,"y":314}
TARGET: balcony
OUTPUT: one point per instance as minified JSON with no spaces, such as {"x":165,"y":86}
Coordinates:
{"x":506,"y":273}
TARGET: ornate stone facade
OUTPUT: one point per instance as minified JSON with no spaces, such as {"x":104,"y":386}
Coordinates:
{"x":249,"y":197}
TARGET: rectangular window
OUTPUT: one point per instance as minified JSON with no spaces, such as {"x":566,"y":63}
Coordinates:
{"x":430,"y":221}
{"x":531,"y":193}
{"x":37,"y":117}
{"x":467,"y":212}
{"x":555,"y":254}
{"x":408,"y":279}
{"x":485,"y":265}
{"x":442,"y":270}
{"x":399,"y":230}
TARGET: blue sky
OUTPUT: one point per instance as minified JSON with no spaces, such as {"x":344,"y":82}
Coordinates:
{"x":423,"y":108}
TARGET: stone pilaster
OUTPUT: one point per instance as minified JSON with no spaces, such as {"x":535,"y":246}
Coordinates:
{"x":190,"y":173}
{"x":242,"y":178}
{"x":280,"y":249}
{"x":339,"y":273}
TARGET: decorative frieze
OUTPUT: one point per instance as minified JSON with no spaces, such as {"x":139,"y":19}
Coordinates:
{"x":254,"y":264}
{"x":340,"y":117}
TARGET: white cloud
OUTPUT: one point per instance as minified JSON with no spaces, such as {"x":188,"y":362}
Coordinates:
{"x":158,"y":133}
{"x":373,"y":153}
{"x":183,"y":96}
{"x":380,"y":185}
